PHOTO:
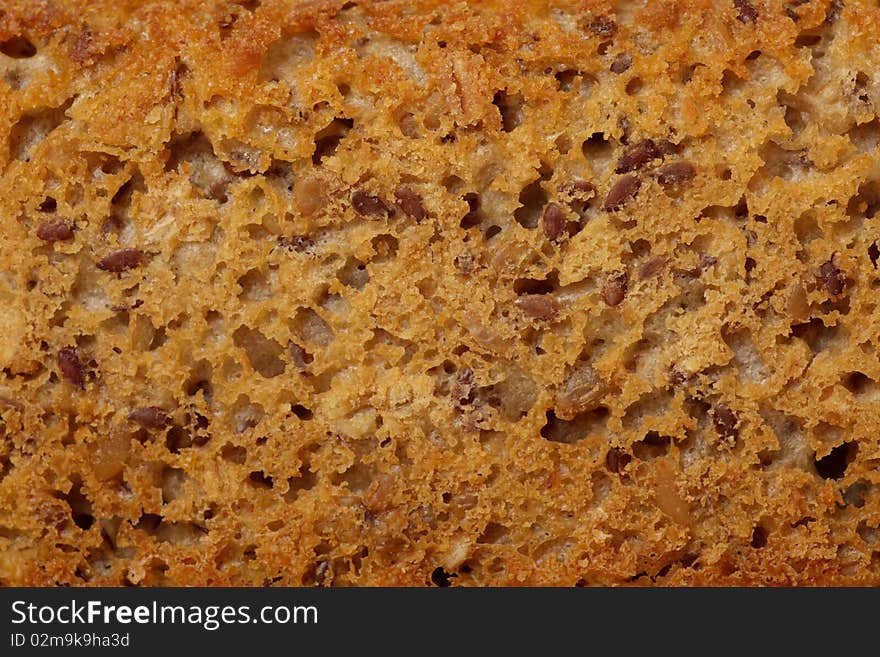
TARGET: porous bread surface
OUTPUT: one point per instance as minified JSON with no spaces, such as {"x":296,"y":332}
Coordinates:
{"x":411,"y":293}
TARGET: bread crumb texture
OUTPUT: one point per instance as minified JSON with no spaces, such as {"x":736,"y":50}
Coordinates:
{"x":439,"y":293}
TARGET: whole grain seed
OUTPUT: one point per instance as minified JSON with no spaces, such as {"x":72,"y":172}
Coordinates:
{"x":676,"y":173}
{"x":832,"y":278}
{"x":636,"y":156}
{"x":614,"y":289}
{"x":747,"y":11}
{"x":538,"y":306}
{"x":652,"y":267}
{"x":616,"y":460}
{"x":553,"y":222}
{"x":71,"y":367}
{"x":621,"y":63}
{"x":410,"y":203}
{"x":150,"y":417}
{"x":622,"y":191}
{"x":54,"y":231}
{"x":368,"y":205}
{"x":725,"y":421}
{"x":299,"y":356}
{"x":119,"y":261}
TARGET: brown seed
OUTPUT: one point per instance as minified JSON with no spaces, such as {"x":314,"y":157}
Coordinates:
{"x":652,"y":267}
{"x":464,"y":263}
{"x":636,"y":156}
{"x":832,"y":278}
{"x":616,"y":460}
{"x":553,"y":222}
{"x":747,"y":11}
{"x":322,"y":572}
{"x":299,"y":356}
{"x":676,"y":173}
{"x":582,"y":391}
{"x":603,"y":27}
{"x":725,"y":422}
{"x":54,"y":231}
{"x":582,"y":188}
{"x":834,"y":10}
{"x":216,"y":191}
{"x":119,"y":261}
{"x":706,"y":261}
{"x":298,"y":243}
{"x":676,"y":378}
{"x":614,"y":290}
{"x":462,"y":389}
{"x":71,"y":367}
{"x":80,"y":48}
{"x":665,"y":147}
{"x":625,"y":126}
{"x":176,"y":79}
{"x":48,"y":205}
{"x":367,"y":204}
{"x":150,"y":417}
{"x":622,"y":191}
{"x":410,"y":202}
{"x":621,"y":63}
{"x":538,"y":306}
{"x":577,"y":193}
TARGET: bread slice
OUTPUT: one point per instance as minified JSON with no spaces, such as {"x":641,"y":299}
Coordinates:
{"x":415,"y":292}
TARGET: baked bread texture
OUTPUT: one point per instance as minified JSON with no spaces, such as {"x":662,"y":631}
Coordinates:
{"x":430,"y":293}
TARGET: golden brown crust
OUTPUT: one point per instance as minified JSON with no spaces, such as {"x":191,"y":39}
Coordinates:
{"x":535,"y":293}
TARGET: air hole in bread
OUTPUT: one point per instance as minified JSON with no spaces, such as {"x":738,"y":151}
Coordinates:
{"x":264,"y":354}
{"x":532,"y":200}
{"x":807,"y":40}
{"x":510,"y":107}
{"x":474,"y":217}
{"x":233,"y":453}
{"x":33,"y":128}
{"x":866,"y":138}
{"x":652,"y":446}
{"x":259,"y":479}
{"x":80,"y":505}
{"x":328,"y":139}
{"x":582,"y":426}
{"x":759,"y":537}
{"x":173,"y":482}
{"x":866,"y":202}
{"x":194,"y":153}
{"x":546,"y":285}
{"x":856,"y":493}
{"x":199,"y":380}
{"x":494,"y":533}
{"x":287,"y":58}
{"x":408,"y":123}
{"x":18,"y":47}
{"x":246,"y":414}
{"x":441,"y":578}
{"x":598,"y":151}
{"x":311,"y":328}
{"x":817,"y":335}
{"x":305,"y":481}
{"x":120,"y":204}
{"x":353,"y":274}
{"x":566,"y":78}
{"x":178,"y":438}
{"x":301,"y":412}
{"x":860,"y":385}
{"x":834,"y":464}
